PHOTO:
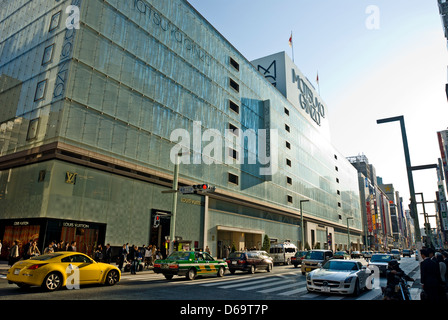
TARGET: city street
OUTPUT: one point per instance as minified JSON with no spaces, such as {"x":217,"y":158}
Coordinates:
{"x":283,"y":283}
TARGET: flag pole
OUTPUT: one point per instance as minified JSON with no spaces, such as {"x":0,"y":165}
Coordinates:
{"x":317,"y":80}
{"x":291,"y":44}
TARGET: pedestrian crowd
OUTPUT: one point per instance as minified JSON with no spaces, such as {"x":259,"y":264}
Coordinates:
{"x":433,"y":274}
{"x":133,"y":259}
{"x":130,"y":257}
{"x":30,"y":249}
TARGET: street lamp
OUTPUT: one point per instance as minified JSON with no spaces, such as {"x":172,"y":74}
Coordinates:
{"x":348,"y":234}
{"x":413,"y":206}
{"x":301,"y":223}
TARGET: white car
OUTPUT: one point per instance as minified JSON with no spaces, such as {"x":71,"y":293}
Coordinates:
{"x":339,"y":276}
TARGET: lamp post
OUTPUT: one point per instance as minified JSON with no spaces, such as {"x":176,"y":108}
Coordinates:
{"x":301,"y":223}
{"x":413,"y":205}
{"x":348,"y":234}
{"x":174,"y":205}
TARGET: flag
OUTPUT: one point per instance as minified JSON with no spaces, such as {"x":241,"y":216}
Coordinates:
{"x":317,"y":78}
{"x":290,"y":40}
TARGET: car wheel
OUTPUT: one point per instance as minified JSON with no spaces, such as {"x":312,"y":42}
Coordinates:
{"x":269,"y":269}
{"x":356,"y":290}
{"x":168,"y":276}
{"x":52,"y":281}
{"x":112,"y":278}
{"x":191,"y":274}
{"x":252,"y":269}
{"x":232,"y":271}
{"x":221,"y":271}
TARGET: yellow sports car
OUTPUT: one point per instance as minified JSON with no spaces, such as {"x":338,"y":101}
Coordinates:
{"x":69,"y":269}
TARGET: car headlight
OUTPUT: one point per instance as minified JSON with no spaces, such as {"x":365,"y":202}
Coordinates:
{"x":308,"y":276}
{"x":349,"y":279}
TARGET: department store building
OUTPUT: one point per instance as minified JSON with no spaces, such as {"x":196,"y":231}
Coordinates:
{"x":90,"y":115}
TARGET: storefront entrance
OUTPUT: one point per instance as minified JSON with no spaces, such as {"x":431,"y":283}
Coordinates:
{"x":87,"y":235}
{"x":232,"y":239}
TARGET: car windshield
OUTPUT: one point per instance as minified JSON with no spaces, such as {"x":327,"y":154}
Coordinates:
{"x":315,"y":255}
{"x":340,"y":252}
{"x":179,"y":255}
{"x":395,"y":251}
{"x":46,"y":257}
{"x":381,"y":258}
{"x":340,"y":266}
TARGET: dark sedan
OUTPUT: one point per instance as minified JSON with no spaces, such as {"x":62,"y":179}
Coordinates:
{"x":380,"y":261}
{"x":249,"y":261}
{"x":298,"y":257}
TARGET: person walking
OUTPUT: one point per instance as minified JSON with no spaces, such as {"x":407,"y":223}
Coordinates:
{"x":99,"y":253}
{"x":50,"y":248}
{"x":13,"y":253}
{"x":136,"y":258}
{"x":26,"y":250}
{"x":442,"y":268}
{"x":33,"y":251}
{"x":122,"y":256}
{"x":429,"y":277}
{"x":108,"y":254}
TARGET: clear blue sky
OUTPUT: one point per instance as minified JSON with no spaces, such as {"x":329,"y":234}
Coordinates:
{"x":364,"y":74}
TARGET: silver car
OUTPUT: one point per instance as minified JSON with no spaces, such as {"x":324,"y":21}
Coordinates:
{"x":339,"y":276}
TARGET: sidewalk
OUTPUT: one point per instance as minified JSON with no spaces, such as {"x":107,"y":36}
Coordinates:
{"x":4,"y":267}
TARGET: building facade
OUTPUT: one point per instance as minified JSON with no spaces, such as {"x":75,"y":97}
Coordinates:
{"x":95,"y":105}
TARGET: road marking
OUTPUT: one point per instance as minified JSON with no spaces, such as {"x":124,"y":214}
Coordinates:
{"x":251,"y":282}
{"x":279,"y":288}
{"x":287,"y":293}
{"x":263,"y":285}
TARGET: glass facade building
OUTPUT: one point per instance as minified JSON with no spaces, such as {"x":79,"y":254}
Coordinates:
{"x":89,"y":105}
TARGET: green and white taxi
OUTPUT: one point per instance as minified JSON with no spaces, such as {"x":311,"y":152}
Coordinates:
{"x":190,"y":264}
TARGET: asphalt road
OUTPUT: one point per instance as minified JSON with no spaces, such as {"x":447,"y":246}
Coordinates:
{"x":284,"y":283}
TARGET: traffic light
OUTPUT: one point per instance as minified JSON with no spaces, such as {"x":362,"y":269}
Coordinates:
{"x":156,"y":221}
{"x":203,"y":187}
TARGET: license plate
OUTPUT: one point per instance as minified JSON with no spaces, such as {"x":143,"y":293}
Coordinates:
{"x":325,"y":289}
{"x":16,"y":271}
{"x":164,"y":266}
{"x":308,"y":269}
{"x":233,"y":262}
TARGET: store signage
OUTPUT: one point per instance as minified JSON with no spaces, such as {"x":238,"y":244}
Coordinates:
{"x":75,"y":225}
{"x":21,"y":223}
{"x":70,"y":177}
{"x":163,"y":24}
{"x":65,"y":58}
{"x":308,"y":102}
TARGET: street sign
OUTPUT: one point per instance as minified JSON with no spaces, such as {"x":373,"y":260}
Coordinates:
{"x":187,"y":189}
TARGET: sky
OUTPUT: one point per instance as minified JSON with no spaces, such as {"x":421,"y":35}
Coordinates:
{"x":375,"y":59}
